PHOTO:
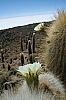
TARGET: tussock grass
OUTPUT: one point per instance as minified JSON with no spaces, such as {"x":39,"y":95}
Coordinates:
{"x":59,"y":24}
{"x":61,"y":17}
{"x":56,"y":50}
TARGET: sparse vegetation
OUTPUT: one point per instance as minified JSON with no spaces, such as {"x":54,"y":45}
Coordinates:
{"x":49,"y":47}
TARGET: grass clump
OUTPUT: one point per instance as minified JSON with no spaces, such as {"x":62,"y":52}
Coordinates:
{"x":56,"y":50}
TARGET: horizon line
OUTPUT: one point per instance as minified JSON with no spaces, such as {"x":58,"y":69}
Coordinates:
{"x":16,"y":16}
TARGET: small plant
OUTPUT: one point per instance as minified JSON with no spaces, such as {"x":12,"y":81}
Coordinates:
{"x":10,"y":60}
{"x":29,"y":47}
{"x":22,"y":59}
{"x":21,"y":45}
{"x":30,"y":51}
{"x":31,"y":58}
{"x":9,"y":67}
{"x":3,"y":65}
{"x":26,"y":42}
{"x":2,"y":52}
{"x":33,"y":43}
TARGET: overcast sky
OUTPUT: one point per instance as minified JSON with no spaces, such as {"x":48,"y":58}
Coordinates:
{"x":21,"y":12}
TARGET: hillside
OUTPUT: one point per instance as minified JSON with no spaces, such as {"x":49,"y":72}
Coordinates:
{"x":50,"y":50}
{"x":10,"y":39}
{"x":10,"y":42}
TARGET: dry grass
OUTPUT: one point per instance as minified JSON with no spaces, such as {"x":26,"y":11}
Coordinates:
{"x":61,"y":18}
{"x":59,"y":24}
{"x":56,"y":49}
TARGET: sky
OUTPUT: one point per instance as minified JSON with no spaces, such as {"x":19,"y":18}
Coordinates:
{"x":22,"y":12}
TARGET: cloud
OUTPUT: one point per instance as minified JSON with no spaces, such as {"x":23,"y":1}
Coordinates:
{"x":6,"y":23}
